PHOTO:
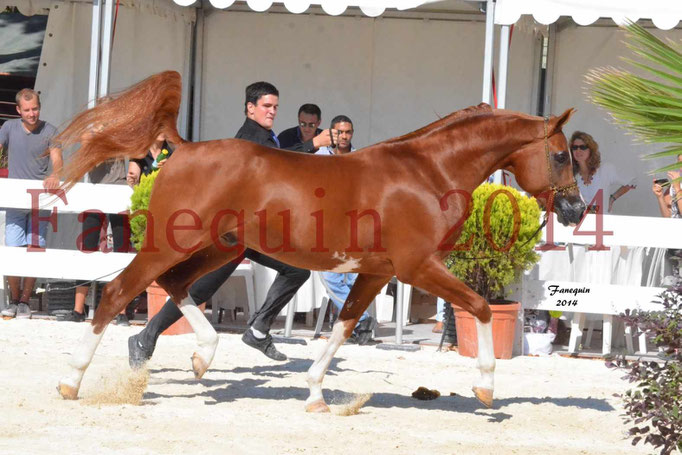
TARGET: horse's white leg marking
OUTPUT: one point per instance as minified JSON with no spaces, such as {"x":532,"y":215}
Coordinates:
{"x":207,"y":338}
{"x":319,"y":368}
{"x":80,"y":359}
{"x":486,"y":355}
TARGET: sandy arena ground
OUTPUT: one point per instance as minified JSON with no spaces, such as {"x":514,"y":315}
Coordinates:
{"x":248,"y":404}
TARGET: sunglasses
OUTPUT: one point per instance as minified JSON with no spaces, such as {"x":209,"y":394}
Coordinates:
{"x":579,"y":147}
{"x":309,"y":125}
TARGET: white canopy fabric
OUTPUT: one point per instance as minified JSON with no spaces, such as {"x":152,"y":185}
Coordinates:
{"x":371,"y":8}
{"x":665,"y":14}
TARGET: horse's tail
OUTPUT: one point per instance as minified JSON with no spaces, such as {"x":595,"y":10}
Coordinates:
{"x":123,"y":126}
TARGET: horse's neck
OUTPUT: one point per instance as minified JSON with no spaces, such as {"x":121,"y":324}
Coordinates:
{"x":480,"y":145}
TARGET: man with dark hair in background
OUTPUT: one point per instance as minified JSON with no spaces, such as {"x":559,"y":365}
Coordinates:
{"x":309,"y":118}
{"x":260,"y":107}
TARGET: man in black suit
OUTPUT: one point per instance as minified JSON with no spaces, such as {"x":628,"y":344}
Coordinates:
{"x":260,"y":107}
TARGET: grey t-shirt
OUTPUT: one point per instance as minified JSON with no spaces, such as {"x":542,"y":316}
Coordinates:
{"x":112,"y":171}
{"x":26,"y":149}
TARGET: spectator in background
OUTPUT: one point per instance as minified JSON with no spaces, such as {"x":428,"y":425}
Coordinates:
{"x":340,"y":284}
{"x":309,"y":118}
{"x":592,"y":175}
{"x":669,"y":198}
{"x":149,"y":163}
{"x":671,"y":207}
{"x":27,"y":139}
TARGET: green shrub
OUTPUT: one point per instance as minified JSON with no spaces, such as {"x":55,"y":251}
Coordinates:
{"x":493,"y":260}
{"x":140,"y":201}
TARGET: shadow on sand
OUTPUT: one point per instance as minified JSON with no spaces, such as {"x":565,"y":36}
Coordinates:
{"x":228,"y":390}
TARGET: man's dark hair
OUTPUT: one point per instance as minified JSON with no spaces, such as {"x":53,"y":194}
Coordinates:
{"x":258,"y":89}
{"x":312,"y":109}
{"x":339,"y":119}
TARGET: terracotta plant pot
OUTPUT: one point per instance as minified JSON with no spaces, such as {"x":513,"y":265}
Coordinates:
{"x":156,"y":299}
{"x":4,"y":173}
{"x":504,"y":327}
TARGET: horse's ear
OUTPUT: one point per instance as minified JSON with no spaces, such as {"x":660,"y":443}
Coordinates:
{"x":559,"y":121}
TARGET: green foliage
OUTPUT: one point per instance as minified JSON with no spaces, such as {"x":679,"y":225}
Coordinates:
{"x":3,"y":158}
{"x":650,"y":107}
{"x":484,"y":265}
{"x":653,"y":406}
{"x":140,"y":201}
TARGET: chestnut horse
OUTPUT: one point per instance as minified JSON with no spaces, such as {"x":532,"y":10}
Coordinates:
{"x":394,"y":208}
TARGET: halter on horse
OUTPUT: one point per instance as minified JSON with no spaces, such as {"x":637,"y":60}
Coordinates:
{"x":380,"y":211}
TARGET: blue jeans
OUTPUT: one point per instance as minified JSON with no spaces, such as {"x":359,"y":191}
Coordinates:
{"x":340,"y":284}
{"x":440,"y":309}
{"x":19,"y":229}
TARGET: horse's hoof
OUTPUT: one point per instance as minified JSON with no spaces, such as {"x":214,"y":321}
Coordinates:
{"x":485,"y":396}
{"x":67,"y":392}
{"x":318,"y":406}
{"x":198,"y":365}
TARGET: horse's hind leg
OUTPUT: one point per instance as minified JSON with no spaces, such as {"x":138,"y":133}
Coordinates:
{"x":435,"y":278}
{"x":366,"y":287}
{"x":137,"y":276}
{"x":177,"y":281}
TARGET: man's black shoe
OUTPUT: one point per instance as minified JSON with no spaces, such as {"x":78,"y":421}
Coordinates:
{"x":74,"y":316}
{"x":364,"y":330}
{"x":265,"y":345}
{"x":138,"y":354}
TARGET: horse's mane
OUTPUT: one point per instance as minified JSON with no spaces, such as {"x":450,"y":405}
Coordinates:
{"x":471,"y":111}
{"x":125,"y":126}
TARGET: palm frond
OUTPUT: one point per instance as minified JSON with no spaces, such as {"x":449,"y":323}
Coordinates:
{"x":648,"y":107}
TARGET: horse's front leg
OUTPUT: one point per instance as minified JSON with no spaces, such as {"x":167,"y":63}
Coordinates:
{"x":115,"y":296}
{"x":366,"y":287}
{"x":435,"y":278}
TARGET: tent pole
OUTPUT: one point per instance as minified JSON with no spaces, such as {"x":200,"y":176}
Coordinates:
{"x":94,"y":52}
{"x":197,"y":66}
{"x":93,"y":77}
{"x":502,"y":82}
{"x":488,"y":54}
{"x":502,"y":66}
{"x":105,"y":63}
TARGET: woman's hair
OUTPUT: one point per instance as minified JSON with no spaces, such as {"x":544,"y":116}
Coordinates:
{"x":594,"y":161}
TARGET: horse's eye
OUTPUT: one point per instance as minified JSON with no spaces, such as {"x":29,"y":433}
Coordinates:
{"x":561,"y":157}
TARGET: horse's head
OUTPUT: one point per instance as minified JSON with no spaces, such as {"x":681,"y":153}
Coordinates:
{"x":544,"y":168}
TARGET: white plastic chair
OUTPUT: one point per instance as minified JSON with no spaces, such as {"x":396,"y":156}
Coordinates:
{"x":244,"y":270}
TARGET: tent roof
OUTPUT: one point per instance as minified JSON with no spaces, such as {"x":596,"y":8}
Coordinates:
{"x":370,"y":8}
{"x":665,"y":14}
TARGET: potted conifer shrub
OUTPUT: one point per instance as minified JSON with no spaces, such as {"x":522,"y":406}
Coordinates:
{"x":497,"y":244}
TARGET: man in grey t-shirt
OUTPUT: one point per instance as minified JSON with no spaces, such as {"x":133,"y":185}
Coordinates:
{"x":26,"y":140}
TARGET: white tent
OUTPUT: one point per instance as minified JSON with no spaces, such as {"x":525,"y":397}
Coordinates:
{"x":665,"y":14}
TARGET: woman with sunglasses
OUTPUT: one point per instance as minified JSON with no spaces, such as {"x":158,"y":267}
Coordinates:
{"x":592,"y":176}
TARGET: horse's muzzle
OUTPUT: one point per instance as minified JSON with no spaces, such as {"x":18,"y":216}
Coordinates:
{"x":569,"y":209}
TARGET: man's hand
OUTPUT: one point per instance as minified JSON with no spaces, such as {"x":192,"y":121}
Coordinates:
{"x":325,"y":138}
{"x":51,"y":182}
